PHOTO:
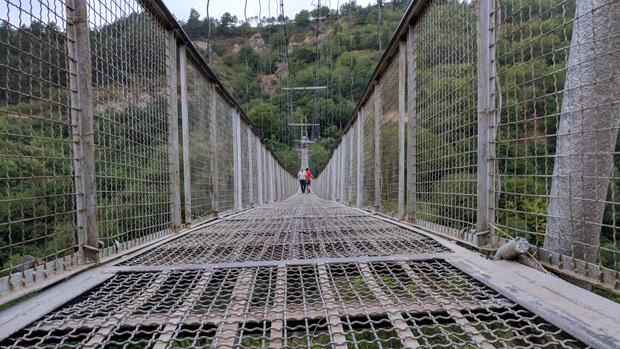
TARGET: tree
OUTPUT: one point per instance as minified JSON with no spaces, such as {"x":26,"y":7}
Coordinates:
{"x":302,"y":19}
{"x":227,"y":21}
{"x":192,"y":27}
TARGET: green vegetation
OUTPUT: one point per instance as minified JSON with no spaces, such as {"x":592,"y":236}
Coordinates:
{"x":255,"y":71}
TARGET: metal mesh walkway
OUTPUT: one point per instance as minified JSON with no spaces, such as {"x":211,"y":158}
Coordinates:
{"x":303,"y":273}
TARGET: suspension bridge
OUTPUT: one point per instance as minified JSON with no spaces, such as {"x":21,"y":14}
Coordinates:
{"x":467,"y":203}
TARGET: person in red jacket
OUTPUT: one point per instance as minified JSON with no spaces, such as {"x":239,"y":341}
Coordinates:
{"x":308,"y":177}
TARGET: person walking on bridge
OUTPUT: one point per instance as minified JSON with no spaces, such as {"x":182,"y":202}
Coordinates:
{"x":309,"y":176}
{"x":302,"y":179}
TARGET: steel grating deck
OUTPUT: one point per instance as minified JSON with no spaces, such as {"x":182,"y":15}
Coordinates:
{"x":303,"y":273}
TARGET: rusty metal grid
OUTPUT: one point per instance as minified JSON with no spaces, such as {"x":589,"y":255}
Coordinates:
{"x":245,"y":166}
{"x":368,"y":156}
{"x":388,"y":127}
{"x":303,"y":228}
{"x":200,"y":150}
{"x":446,"y":116}
{"x":130,"y":102}
{"x":225,"y":161}
{"x":393,"y":304}
{"x":557,"y":144}
{"x":37,"y":181}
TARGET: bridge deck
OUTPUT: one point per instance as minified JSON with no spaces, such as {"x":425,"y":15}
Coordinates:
{"x":310,"y":273}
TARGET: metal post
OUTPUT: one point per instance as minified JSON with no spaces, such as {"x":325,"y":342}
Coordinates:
{"x":237,"y":160}
{"x":402,"y":61}
{"x":83,"y":129}
{"x":360,"y":175}
{"x":411,"y":126}
{"x":250,"y":173}
{"x":486,"y":117}
{"x":185,"y":125}
{"x":214,"y":173}
{"x":173,"y":133}
{"x":334,"y":177}
{"x":378,"y":116}
{"x":343,"y":151}
{"x":272,"y":187}
{"x":259,"y":169}
{"x":350,"y":167}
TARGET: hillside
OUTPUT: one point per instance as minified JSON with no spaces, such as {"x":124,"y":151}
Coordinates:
{"x":251,"y":61}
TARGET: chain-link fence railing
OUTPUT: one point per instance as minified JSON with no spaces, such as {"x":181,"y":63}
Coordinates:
{"x":511,"y":129}
{"x":90,"y":163}
{"x":38,"y":223}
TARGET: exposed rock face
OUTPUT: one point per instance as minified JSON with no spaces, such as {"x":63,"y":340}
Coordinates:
{"x":269,"y":83}
{"x":257,"y":43}
{"x":281,"y":69}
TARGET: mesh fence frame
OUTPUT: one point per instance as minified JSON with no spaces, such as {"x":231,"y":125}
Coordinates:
{"x":131,"y":121}
{"x":37,"y":218}
{"x":557,"y":154}
{"x":446,"y":116}
{"x":368,"y":157}
{"x":224,"y":146}
{"x":388,"y":127}
{"x":199,"y":97}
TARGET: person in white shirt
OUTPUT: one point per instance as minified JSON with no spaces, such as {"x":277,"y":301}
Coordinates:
{"x":302,"y":179}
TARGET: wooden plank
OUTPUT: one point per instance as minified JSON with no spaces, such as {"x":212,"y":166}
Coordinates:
{"x":113,"y":321}
{"x":23,"y":314}
{"x":177,"y":317}
{"x":279,"y":305}
{"x":227,"y":332}
{"x":332,"y":311}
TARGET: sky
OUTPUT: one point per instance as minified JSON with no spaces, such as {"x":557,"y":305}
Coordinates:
{"x":181,"y":8}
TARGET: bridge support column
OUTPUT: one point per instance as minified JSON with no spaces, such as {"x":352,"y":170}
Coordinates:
{"x":402,"y":61}
{"x":214,"y":174}
{"x":360,"y":149}
{"x":187,"y":178}
{"x":87,"y":240}
{"x":250,"y":173}
{"x":587,"y":133}
{"x":173,"y":133}
{"x":411,"y":126}
{"x":238,"y":193}
{"x":259,"y":169}
{"x":487,"y":118}
{"x":378,"y":117}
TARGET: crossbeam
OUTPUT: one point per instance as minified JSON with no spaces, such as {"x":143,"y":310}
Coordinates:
{"x":303,"y":88}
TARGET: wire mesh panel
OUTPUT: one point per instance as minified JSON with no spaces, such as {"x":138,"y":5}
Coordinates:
{"x":131,"y":121}
{"x":389,"y":137}
{"x":37,"y":212}
{"x":200,"y":147}
{"x":225,"y":163}
{"x":245,"y":166}
{"x":557,"y":147}
{"x":446,"y":115}
{"x":368,"y":167}
{"x":391,"y":304}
